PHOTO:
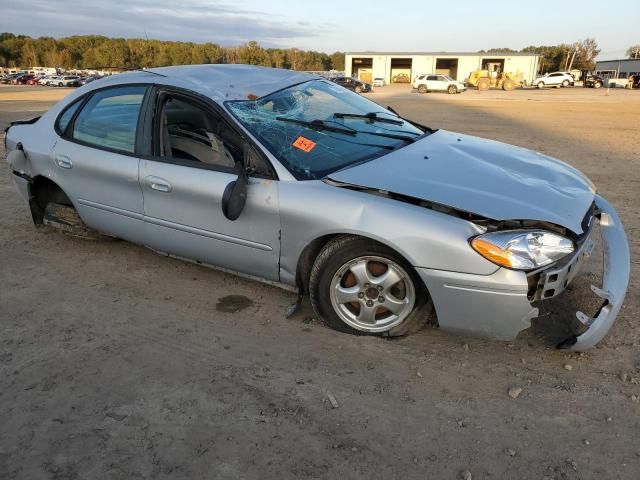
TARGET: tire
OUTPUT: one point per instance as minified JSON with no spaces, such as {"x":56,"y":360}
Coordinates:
{"x":483,"y":84}
{"x":540,"y":85}
{"x":565,"y":83}
{"x":358,"y":89}
{"x":333,"y":272}
{"x":422,"y":88}
{"x":452,"y":89}
{"x":597,"y":85}
{"x":59,"y":84}
{"x":508,"y":85}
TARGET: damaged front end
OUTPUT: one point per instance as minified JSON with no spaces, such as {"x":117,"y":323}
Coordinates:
{"x":503,"y":304}
{"x":552,"y":281}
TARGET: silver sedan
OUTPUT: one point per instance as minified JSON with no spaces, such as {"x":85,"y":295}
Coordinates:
{"x":288,"y":178}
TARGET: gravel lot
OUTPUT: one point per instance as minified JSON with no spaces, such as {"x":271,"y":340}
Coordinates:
{"x":116,"y":362}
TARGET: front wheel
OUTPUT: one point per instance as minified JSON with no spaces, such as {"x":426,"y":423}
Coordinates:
{"x":59,"y":84}
{"x":597,"y":85}
{"x":361,"y":287}
{"x":540,"y":85}
{"x":422,"y":89}
{"x":358,"y":89}
{"x":565,"y":83}
{"x":452,"y":89}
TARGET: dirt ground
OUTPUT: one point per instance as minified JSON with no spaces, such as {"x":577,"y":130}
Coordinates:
{"x":117,"y":363}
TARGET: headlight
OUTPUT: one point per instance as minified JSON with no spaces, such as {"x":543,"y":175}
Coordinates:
{"x":522,"y":249}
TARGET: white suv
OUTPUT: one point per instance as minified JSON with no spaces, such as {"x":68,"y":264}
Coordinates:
{"x":437,"y":83}
{"x":47,"y":80}
{"x":555,"y":79}
{"x":64,"y":81}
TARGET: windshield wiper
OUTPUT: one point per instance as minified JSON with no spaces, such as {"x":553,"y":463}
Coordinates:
{"x":371,"y":116}
{"x":322,"y":125}
{"x":319,"y":125}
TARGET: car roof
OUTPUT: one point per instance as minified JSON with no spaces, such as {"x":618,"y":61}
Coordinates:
{"x":218,"y":82}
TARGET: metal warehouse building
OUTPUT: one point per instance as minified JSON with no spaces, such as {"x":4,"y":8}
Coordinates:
{"x":407,"y":65}
{"x":618,"y":68}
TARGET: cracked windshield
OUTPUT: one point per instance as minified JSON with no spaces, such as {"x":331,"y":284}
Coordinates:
{"x":316,"y":128}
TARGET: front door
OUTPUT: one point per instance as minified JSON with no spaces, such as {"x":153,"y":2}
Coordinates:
{"x":434,"y":83}
{"x":183,"y":184}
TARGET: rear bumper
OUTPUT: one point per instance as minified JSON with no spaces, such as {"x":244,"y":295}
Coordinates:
{"x":499,"y":305}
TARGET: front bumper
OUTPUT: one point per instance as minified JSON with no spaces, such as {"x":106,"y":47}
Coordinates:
{"x":500,"y":305}
{"x":617,"y":267}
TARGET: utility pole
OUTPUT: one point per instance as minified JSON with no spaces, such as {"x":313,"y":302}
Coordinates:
{"x":572,"y":59}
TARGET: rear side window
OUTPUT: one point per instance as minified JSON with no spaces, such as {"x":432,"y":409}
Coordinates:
{"x":110,"y":118}
{"x":67,"y":115}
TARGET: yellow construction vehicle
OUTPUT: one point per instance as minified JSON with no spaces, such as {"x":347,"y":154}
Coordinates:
{"x":484,"y":79}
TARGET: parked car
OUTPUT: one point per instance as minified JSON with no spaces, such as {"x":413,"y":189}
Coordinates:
{"x":281,"y":175}
{"x":21,"y":79}
{"x":84,"y":80}
{"x":401,"y":78}
{"x":34,"y":80}
{"x":438,"y":83}
{"x":9,"y":78}
{"x":555,"y":79}
{"x":378,"y":82}
{"x":64,"y":80}
{"x":593,"y":81}
{"x":49,"y":80}
{"x":353,"y":84}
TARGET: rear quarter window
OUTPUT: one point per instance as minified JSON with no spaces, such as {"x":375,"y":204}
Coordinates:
{"x":64,"y":119}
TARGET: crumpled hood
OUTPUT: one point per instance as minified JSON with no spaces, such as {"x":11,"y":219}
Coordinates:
{"x":488,"y":178}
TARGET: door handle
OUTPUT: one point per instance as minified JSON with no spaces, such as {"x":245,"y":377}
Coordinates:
{"x":63,"y":161}
{"x":159,"y":184}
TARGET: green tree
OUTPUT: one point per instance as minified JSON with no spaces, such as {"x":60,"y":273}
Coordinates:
{"x":633,"y":51}
{"x":95,"y":51}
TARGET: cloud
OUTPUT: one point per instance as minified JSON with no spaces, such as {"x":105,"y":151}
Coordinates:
{"x":186,"y":20}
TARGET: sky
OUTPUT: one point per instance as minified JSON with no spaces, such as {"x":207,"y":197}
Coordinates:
{"x":332,"y":25}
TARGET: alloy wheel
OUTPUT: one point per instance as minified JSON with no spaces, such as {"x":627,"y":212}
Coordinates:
{"x":372,"y":294}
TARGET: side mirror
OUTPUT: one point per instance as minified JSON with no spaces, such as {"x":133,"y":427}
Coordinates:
{"x":235,"y":194}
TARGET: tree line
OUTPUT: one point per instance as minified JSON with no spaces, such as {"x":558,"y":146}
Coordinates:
{"x":95,"y":52}
{"x":578,"y":55}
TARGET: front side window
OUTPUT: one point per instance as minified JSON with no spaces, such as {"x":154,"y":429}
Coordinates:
{"x":110,"y":118}
{"x":193,"y":133}
{"x":316,"y":128}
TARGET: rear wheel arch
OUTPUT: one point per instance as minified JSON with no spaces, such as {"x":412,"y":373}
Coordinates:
{"x":43,"y":191}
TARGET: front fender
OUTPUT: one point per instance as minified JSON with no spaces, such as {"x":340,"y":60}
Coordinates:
{"x":424,"y":237}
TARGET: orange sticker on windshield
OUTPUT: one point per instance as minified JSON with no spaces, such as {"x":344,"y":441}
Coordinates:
{"x":304,"y":144}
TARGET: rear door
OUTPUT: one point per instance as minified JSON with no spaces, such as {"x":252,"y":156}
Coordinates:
{"x":95,"y":160}
{"x":195,"y":154}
